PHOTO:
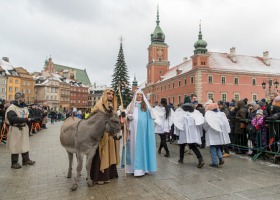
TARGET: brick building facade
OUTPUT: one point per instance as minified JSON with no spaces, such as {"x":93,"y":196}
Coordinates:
{"x":221,"y":76}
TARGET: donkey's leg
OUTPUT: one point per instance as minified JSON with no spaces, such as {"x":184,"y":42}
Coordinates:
{"x":70,"y":157}
{"x":79,"y":169}
{"x":88,"y":164}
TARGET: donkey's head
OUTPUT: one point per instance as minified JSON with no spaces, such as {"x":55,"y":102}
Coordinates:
{"x":113,"y":123}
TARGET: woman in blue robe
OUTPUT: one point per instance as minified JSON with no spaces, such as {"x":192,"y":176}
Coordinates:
{"x":141,"y":142}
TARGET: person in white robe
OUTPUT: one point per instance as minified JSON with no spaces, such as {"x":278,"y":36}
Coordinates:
{"x":163,"y":122}
{"x":217,"y":133}
{"x":141,"y":142}
{"x":188,"y":126}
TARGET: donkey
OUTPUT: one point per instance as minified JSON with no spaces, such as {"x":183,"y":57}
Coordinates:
{"x":82,"y":137}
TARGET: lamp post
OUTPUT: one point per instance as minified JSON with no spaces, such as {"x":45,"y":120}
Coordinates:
{"x":270,"y":82}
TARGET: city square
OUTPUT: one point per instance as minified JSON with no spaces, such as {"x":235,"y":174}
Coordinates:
{"x":238,"y":178}
{"x":193,"y":86}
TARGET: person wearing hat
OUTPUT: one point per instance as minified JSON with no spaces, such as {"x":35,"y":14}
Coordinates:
{"x":188,"y":126}
{"x":217,"y":130}
{"x":253,"y":107}
{"x":18,"y":140}
{"x":258,"y":122}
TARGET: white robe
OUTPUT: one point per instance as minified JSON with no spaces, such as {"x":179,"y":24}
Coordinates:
{"x":162,"y":125}
{"x":190,"y":127}
{"x":217,"y":128}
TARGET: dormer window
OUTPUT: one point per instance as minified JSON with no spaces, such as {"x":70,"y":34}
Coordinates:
{"x":14,"y":73}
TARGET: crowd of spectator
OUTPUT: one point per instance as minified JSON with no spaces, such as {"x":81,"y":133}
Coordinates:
{"x":253,"y":124}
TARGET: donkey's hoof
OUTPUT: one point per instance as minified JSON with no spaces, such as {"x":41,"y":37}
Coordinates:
{"x":69,"y":175}
{"x":89,"y":183}
{"x":74,"y":187}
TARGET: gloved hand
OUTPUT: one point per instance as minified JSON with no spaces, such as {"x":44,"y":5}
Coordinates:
{"x":130,"y":117}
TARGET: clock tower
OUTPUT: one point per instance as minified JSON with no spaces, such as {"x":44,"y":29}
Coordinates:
{"x":158,"y":63}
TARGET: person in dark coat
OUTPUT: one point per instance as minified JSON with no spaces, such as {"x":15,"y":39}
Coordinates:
{"x":223,"y":108}
{"x":53,"y":115}
{"x":201,"y":109}
{"x":269,"y":105}
{"x":32,"y":114}
{"x":2,"y":112}
{"x":232,"y":115}
{"x":274,"y":127}
{"x":240,"y":127}
{"x":253,"y":107}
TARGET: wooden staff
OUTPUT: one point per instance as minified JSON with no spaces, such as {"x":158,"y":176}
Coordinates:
{"x":124,"y":129}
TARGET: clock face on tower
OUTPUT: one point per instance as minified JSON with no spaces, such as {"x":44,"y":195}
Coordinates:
{"x":159,"y":52}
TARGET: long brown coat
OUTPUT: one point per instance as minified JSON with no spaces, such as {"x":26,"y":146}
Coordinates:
{"x":240,"y":114}
{"x":109,"y":149}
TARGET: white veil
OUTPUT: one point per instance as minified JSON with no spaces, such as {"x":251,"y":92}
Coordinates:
{"x":132,"y":104}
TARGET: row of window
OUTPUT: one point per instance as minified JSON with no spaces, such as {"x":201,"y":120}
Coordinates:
{"x":223,"y":80}
{"x":65,"y":92}
{"x":51,"y":97}
{"x":78,"y":101}
{"x":210,"y":95}
{"x":80,"y":95}
{"x":202,"y":63}
{"x":93,"y":98}
{"x":16,"y":82}
{"x":52,"y":90}
{"x":236,"y":96}
{"x":210,"y":80}
{"x":169,"y":85}
{"x":79,"y":90}
{"x":11,"y":89}
{"x":54,"y":83}
{"x":64,"y":99}
{"x":26,"y":83}
{"x":4,"y":81}
{"x":11,"y":97}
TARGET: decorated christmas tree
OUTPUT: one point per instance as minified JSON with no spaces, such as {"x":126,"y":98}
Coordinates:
{"x":120,"y":77}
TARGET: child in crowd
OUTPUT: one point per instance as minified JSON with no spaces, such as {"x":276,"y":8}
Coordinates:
{"x":217,"y":133}
{"x":258,"y":122}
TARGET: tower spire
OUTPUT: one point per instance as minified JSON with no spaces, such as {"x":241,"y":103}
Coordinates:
{"x":158,"y":15}
{"x":158,"y":35}
{"x":200,"y":45}
{"x":200,"y":34}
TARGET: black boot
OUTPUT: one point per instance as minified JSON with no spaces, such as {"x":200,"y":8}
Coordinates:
{"x":26,"y":160}
{"x":200,"y":163}
{"x":180,"y":161}
{"x":159,"y":151}
{"x":167,"y":154}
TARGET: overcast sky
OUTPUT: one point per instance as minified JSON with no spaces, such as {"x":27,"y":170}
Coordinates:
{"x":85,"y":34}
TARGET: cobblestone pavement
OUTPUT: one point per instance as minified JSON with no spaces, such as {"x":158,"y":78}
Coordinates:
{"x":238,"y":178}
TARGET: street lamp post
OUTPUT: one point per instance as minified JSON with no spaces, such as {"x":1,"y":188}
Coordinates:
{"x":270,"y":81}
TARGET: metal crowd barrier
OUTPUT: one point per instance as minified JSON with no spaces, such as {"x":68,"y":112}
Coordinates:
{"x":264,"y":142}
